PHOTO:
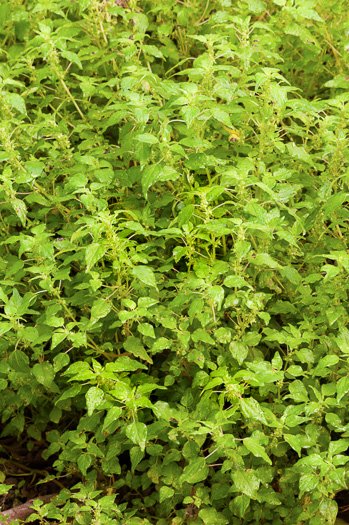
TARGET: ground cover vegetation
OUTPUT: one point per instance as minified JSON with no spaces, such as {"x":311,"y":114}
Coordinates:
{"x":174,"y":261}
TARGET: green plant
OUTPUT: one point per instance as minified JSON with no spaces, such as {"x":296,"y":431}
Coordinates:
{"x":174,"y":304}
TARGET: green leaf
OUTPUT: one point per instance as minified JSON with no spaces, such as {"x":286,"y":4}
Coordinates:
{"x":295,"y":442}
{"x":44,"y":373}
{"x":112,"y":416}
{"x":235,"y":281}
{"x":240,"y":504}
{"x":145,"y":275}
{"x":94,"y":397}
{"x":100,"y":309}
{"x":146,"y":329}
{"x":136,"y":456}
{"x":93,"y":253}
{"x":137,"y":433}
{"x":196,"y":471}
{"x":298,"y":391}
{"x":342,"y":387}
{"x":147,"y":138}
{"x":20,"y":209}
{"x":251,"y":409}
{"x":264,"y":259}
{"x":19,"y":361}
{"x":157,"y":173}
{"x":124,"y":364}
{"x":185,"y":215}
{"x":257,"y":450}
{"x":307,"y":483}
{"x":239,"y":351}
{"x":16,"y":101}
{"x":165,"y":493}
{"x":84,"y":462}
{"x":135,"y":347}
{"x":246,"y":482}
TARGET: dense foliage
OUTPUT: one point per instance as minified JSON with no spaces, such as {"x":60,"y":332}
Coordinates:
{"x":174,"y":257}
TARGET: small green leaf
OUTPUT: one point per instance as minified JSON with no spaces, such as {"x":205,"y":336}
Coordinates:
{"x":165,"y":493}
{"x":16,"y":101}
{"x":93,"y":253}
{"x":246,"y":482}
{"x":239,"y":351}
{"x":307,"y":483}
{"x":135,"y":347}
{"x":145,"y":275}
{"x":257,"y":450}
{"x":44,"y":373}
{"x":298,"y":391}
{"x":196,"y":471}
{"x":146,"y":329}
{"x":147,"y":138}
{"x":137,"y":433}
{"x":94,"y":397}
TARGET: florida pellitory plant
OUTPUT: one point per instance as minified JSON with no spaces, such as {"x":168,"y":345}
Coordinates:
{"x":174,"y":258}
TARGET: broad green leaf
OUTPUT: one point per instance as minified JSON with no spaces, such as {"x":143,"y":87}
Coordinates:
{"x":342,"y":387}
{"x":185,"y":215}
{"x":165,"y":493}
{"x":147,"y":138}
{"x":146,"y":329}
{"x":240,"y":504}
{"x":137,"y":433}
{"x":298,"y":391}
{"x":16,"y":101}
{"x":136,"y":456}
{"x":20,"y":209}
{"x":251,"y":409}
{"x":93,"y":253}
{"x":113,"y":415}
{"x":257,"y":450}
{"x":196,"y":471}
{"x":100,"y":309}
{"x":124,"y":364}
{"x":235,"y":281}
{"x":307,"y":483}
{"x":145,"y":275}
{"x":328,"y":509}
{"x":84,"y":462}
{"x":247,"y":482}
{"x":264,"y":259}
{"x":295,"y":442}
{"x":239,"y":351}
{"x":94,"y":397}
{"x":44,"y":373}
{"x":19,"y":361}
{"x":135,"y":347}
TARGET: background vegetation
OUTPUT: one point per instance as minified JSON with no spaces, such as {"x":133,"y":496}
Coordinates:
{"x":174,"y":259}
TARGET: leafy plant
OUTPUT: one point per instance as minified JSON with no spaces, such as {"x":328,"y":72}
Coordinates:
{"x":174,"y":266}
